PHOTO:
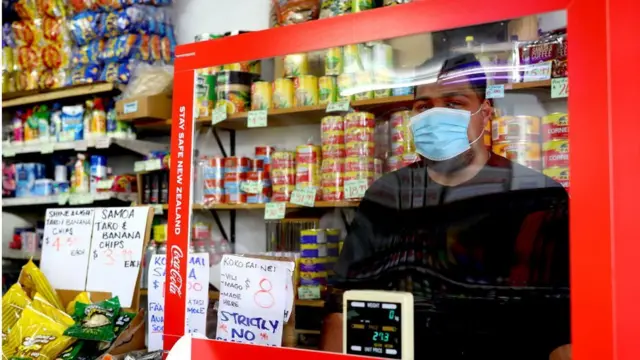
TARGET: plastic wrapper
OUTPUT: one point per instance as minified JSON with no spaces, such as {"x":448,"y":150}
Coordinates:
{"x":283,"y":175}
{"x":308,"y":164}
{"x":401,"y":139}
{"x":117,"y":71}
{"x":331,"y":8}
{"x":13,"y":303}
{"x":42,"y":305}
{"x":87,"y":54}
{"x":85,"y":74}
{"x":82,"y":297}
{"x":147,"y":80}
{"x":33,"y":280}
{"x":26,"y":9}
{"x":290,"y":12}
{"x":95,"y":321}
{"x":213,"y":180}
{"x":85,"y":27}
{"x":51,"y":8}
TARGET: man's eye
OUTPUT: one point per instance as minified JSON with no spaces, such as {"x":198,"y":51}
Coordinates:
{"x":420,"y":107}
{"x":454,"y":105}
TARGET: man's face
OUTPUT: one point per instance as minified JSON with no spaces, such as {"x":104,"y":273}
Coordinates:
{"x":455,"y":96}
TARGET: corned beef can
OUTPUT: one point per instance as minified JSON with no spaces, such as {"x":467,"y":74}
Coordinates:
{"x":555,"y":153}
{"x":555,"y":126}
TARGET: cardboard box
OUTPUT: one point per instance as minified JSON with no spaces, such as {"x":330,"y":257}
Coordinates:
{"x":145,"y":107}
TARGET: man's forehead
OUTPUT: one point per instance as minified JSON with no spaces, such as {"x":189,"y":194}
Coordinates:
{"x":443,"y":88}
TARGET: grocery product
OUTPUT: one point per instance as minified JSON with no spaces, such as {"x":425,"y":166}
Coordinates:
{"x":361,"y":5}
{"x":331,"y":8}
{"x":14,"y":301}
{"x":213,"y":180}
{"x":522,"y":152}
{"x":518,"y":139}
{"x":283,"y":94}
{"x":205,"y":92}
{"x":283,"y":175}
{"x":95,"y":321}
{"x":261,"y":178}
{"x":306,"y":90}
{"x":555,"y":147}
{"x":359,"y":130}
{"x":327,"y":90}
{"x":308,"y":163}
{"x":33,"y":280}
{"x":233,"y":90}
{"x":296,"y":65}
{"x":333,"y":153}
{"x":260,"y":95}
{"x":346,"y":82}
{"x":235,"y":172}
{"x":400,"y":133}
{"x":290,"y":12}
{"x":555,"y":126}
{"x":333,"y":61}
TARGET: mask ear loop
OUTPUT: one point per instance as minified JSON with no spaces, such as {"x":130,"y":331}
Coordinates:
{"x":482,"y":133}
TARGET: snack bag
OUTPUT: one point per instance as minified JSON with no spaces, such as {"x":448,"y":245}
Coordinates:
{"x":73,"y":352}
{"x":13,"y":302}
{"x":83,"y":297}
{"x":42,"y":305}
{"x":34,"y":281}
{"x":95,"y":321}
{"x":123,"y":321}
{"x":36,"y":336}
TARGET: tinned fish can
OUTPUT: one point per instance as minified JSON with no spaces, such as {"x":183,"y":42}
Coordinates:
{"x":313,"y":236}
{"x":253,"y":67}
{"x":333,"y":61}
{"x":555,"y":153}
{"x":559,"y":174}
{"x":515,"y":129}
{"x":306,"y":87}
{"x":523,"y":153}
{"x":261,"y":95}
{"x":296,"y":65}
{"x":327,"y":90}
{"x":283,"y":94}
{"x":555,"y":126}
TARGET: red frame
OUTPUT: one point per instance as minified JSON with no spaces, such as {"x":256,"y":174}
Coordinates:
{"x":604,"y":150}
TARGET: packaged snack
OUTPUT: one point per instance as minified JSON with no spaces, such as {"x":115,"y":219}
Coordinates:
{"x":123,"y":321}
{"x":27,"y":80}
{"x":26,"y":9}
{"x":54,"y":31}
{"x":13,"y":302}
{"x":117,"y":72}
{"x":291,"y":12}
{"x":36,"y":336}
{"x":42,"y":305}
{"x":28,"y":58}
{"x":120,"y":48}
{"x":84,"y":27}
{"x":95,"y":321}
{"x":331,"y":8}
{"x":87,"y":54}
{"x":73,"y":352}
{"x":83,"y":297}
{"x":34,"y":281}
{"x":55,"y":56}
{"x":85,"y":74}
{"x":26,"y":32}
{"x":51,"y":8}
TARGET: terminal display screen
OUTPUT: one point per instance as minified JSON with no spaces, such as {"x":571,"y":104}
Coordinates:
{"x":374,"y":329}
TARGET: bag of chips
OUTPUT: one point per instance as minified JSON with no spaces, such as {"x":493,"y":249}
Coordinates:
{"x":95,"y":321}
{"x":33,"y":280}
{"x":13,"y":302}
{"x":83,"y":297}
{"x":41,"y":304}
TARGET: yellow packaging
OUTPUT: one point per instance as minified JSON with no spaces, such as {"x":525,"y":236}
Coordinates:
{"x":33,"y":280}
{"x":13,"y":303}
{"x":283,"y":188}
{"x":260,"y":95}
{"x":254,"y":67}
{"x":381,"y":78}
{"x":346,"y":82}
{"x":333,"y":151}
{"x":296,"y":65}
{"x":36,"y":336}
{"x":364,"y":79}
{"x":361,"y":5}
{"x":351,"y":59}
{"x":327,"y":90}
{"x":306,"y":90}
{"x":43,"y":306}
{"x":333,"y":61}
{"x":382,"y":56}
{"x":160,"y":233}
{"x":283,"y":94}
{"x":83,"y":298}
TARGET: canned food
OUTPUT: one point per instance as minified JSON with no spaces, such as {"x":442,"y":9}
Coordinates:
{"x":359,"y":119}
{"x":523,"y":153}
{"x":357,"y":163}
{"x":333,"y":151}
{"x":313,"y":236}
{"x":329,"y":123}
{"x":359,"y":134}
{"x":346,"y":82}
{"x":260,"y":95}
{"x":236,"y":164}
{"x":363,"y":78}
{"x":515,"y":128}
{"x":555,"y":153}
{"x":555,"y":126}
{"x":332,"y":137}
{"x":308,"y":154}
{"x":282,"y":95}
{"x":327,"y":90}
{"x":256,"y":164}
{"x":333,"y":61}
{"x":559,"y":174}
{"x":332,"y":193}
{"x":332,"y":165}
{"x":360,"y":148}
{"x":351,"y":59}
{"x":296,"y":65}
{"x":306,"y":87}
{"x":235,"y":198}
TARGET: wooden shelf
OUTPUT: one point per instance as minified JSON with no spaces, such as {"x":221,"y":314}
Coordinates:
{"x":215,"y":295}
{"x":43,"y":96}
{"x":318,"y":204}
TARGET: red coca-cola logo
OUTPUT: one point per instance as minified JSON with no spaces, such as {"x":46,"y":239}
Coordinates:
{"x":175,"y":280}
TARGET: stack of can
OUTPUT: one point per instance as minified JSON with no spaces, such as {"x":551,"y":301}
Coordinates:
{"x":359,"y":134}
{"x":260,"y":172}
{"x":333,"y":250}
{"x":333,"y":154}
{"x":308,"y":164}
{"x":283,"y":175}
{"x":313,"y":258}
{"x":213,"y":180}
{"x":235,"y":172}
{"x":401,"y":138}
{"x":555,"y":147}
{"x":518,"y":139}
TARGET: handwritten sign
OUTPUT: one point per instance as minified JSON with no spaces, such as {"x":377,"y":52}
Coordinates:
{"x":153,"y":164}
{"x":116,"y":251}
{"x":537,"y":72}
{"x":355,"y":189}
{"x":65,"y":247}
{"x":559,"y":88}
{"x":251,"y":187}
{"x":197,"y":297}
{"x":340,"y":106}
{"x":219,"y":115}
{"x":304,"y":197}
{"x":139,"y":166}
{"x":252,"y":301}
{"x":275,"y":211}
{"x":495,"y":91}
{"x":257,"y":118}
{"x":103,"y":143}
{"x":80,"y":199}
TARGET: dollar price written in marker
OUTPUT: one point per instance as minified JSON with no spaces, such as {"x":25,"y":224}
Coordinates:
{"x":95,"y":254}
{"x":246,"y":284}
{"x":156,"y":283}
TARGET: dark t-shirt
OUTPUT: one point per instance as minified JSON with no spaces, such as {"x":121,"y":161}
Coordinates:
{"x":487,"y":261}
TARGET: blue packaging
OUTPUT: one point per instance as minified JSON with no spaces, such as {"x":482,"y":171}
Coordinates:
{"x":43,"y":187}
{"x":402,"y":91}
{"x":38,"y":171}
{"x":26,"y":178}
{"x":72,"y":118}
{"x":60,"y":187}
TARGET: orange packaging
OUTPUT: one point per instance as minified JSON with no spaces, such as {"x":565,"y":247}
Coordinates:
{"x":367,"y":149}
{"x":555,"y":153}
{"x":360,"y":134}
{"x":256,"y":164}
{"x":235,"y":198}
{"x":559,"y":174}
{"x":357,"y":163}
{"x":308,"y":154}
{"x":333,"y":151}
{"x":235,"y":177}
{"x":332,"y":137}
{"x":332,"y":193}
{"x":332,"y":180}
{"x":515,"y":129}
{"x":359,"y":120}
{"x":332,"y":123}
{"x":524,"y":153}
{"x":555,"y":126}
{"x":264,"y":151}
{"x":332,"y":165}
{"x":283,"y":179}
{"x":400,"y":119}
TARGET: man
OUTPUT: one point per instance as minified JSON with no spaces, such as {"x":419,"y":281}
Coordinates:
{"x":480,"y":241}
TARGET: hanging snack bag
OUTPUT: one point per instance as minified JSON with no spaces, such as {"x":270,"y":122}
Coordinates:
{"x":13,"y":303}
{"x":83,"y":298}
{"x":34,"y":281}
{"x":42,"y":305}
{"x":296,"y":11}
{"x":95,"y":321}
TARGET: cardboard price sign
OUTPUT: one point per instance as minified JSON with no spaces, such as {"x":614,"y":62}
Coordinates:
{"x":355,"y":189}
{"x":251,"y":187}
{"x":219,"y":115}
{"x":304,"y":197}
{"x":275,"y":211}
{"x":559,"y":88}
{"x":257,"y":118}
{"x":495,"y":91}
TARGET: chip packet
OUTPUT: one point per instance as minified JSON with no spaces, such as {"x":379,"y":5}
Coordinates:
{"x":13,"y":302}
{"x":36,"y":336}
{"x":95,"y":321}
{"x":83,"y":297}
{"x":42,"y":305}
{"x":33,"y":280}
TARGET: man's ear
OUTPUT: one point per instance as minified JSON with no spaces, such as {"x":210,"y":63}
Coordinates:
{"x":487,"y":112}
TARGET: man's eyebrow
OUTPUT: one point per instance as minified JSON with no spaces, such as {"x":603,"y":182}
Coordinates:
{"x":454,"y":93}
{"x":422,"y":98}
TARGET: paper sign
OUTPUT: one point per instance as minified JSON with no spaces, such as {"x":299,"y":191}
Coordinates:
{"x":537,"y":72}
{"x":153,"y":164}
{"x":342,"y":106}
{"x":304,"y":197}
{"x":252,"y":301}
{"x":495,"y":91}
{"x":308,"y":292}
{"x":251,"y":187}
{"x":81,"y":145}
{"x":197,"y":297}
{"x":257,"y":118}
{"x":65,"y":247}
{"x":104,"y":184}
{"x":559,"y":88}
{"x":275,"y":211}
{"x":8,"y":151}
{"x":355,"y":189}
{"x":103,"y":143}
{"x":289,"y":293}
{"x":219,"y":115}
{"x":131,"y":107}
{"x":139,"y":166}
{"x":80,"y":199}
{"x":46,"y":148}
{"x":116,"y":251}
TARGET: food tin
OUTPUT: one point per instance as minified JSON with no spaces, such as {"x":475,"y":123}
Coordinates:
{"x":523,"y":153}
{"x":555,"y":153}
{"x":333,"y":235}
{"x":346,"y":82}
{"x":205,"y":93}
{"x":351,"y":59}
{"x":253,"y":67}
{"x":359,"y":119}
{"x":313,"y":236}
{"x":361,"y":5}
{"x":364,"y":79}
{"x":327,"y":90}
{"x":296,"y":65}
{"x":333,"y":61}
{"x":306,"y":87}
{"x":555,"y":126}
{"x":515,"y":128}
{"x":559,"y":174}
{"x":261,"y":95}
{"x":283,"y":94}
{"x":313,"y":264}
{"x":233,"y":90}
{"x":382,"y":56}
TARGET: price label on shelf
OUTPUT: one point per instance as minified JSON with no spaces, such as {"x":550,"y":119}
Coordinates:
{"x":157,"y":209}
{"x":80,"y":199}
{"x":309,"y":292}
{"x":139,"y":166}
{"x":537,"y":72}
{"x":8,"y":151}
{"x":275,"y":210}
{"x":63,"y":198}
{"x":153,"y":164}
{"x":251,"y":187}
{"x":355,"y":189}
{"x":304,"y":197}
{"x":104,"y":184}
{"x":103,"y":143}
{"x":81,"y":145}
{"x":257,"y":118}
{"x":340,"y":106}
{"x":559,"y":88}
{"x":219,"y":115}
{"x":495,"y":91}
{"x":46,"y":148}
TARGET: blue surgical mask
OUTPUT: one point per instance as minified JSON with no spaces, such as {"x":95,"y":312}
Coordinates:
{"x":441,"y":133}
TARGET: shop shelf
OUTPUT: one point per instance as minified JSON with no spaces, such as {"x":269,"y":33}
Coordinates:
{"x":318,"y":204}
{"x":54,"y":199}
{"x":19,"y":254}
{"x":42,"y":96}
{"x":137,"y":146}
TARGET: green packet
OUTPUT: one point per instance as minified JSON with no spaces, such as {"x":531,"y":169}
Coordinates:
{"x":95,"y":321}
{"x":121,"y":324}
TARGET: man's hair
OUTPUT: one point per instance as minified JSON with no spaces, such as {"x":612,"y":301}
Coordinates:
{"x":459,"y":68}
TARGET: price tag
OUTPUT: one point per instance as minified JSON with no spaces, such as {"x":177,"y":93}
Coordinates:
{"x":81,"y":145}
{"x":495,"y":91}
{"x":559,"y":88}
{"x":537,"y":72}
{"x":251,"y":187}
{"x":157,"y":209}
{"x":46,"y":148}
{"x":304,"y":197}
{"x":130,"y":107}
{"x":139,"y":166}
{"x":8,"y":151}
{"x":103,"y":143}
{"x":153,"y":164}
{"x":219,"y":115}
{"x":63,"y":198}
{"x":341,"y":106}
{"x":275,"y":210}
{"x":309,"y":292}
{"x":104,"y":184}
{"x":80,"y":199}
{"x":257,"y":118}
{"x":355,"y":189}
